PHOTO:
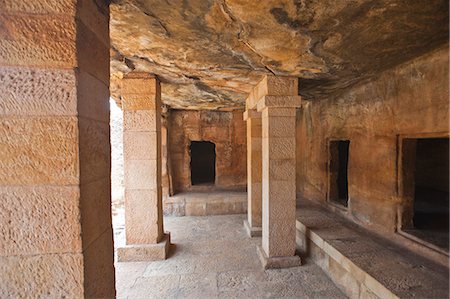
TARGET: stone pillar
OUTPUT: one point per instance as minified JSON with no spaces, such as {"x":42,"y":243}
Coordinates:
{"x":276,"y":98}
{"x":253,"y":224}
{"x":165,"y":180}
{"x":141,"y":103}
{"x":55,"y":201}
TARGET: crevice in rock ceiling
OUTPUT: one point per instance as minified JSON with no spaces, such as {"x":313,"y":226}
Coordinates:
{"x":227,"y":11}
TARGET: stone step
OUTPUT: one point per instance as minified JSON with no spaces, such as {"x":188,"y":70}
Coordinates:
{"x":206,"y":203}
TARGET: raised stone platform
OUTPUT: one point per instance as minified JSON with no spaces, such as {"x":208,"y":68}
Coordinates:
{"x":206,"y":203}
{"x":362,"y":264}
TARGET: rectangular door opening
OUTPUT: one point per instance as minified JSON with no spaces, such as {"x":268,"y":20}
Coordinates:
{"x":203,"y":163}
{"x":338,"y":172}
{"x":430,"y":209}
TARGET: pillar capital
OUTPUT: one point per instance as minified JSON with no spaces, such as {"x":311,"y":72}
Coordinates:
{"x":271,"y":85}
{"x":279,"y":102}
{"x":139,"y":83}
{"x":139,"y":75}
{"x":251,"y":113}
{"x":140,"y":91}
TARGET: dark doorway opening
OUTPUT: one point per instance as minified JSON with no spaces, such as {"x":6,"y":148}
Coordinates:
{"x":431,"y":191}
{"x":339,"y":151}
{"x":203,"y":162}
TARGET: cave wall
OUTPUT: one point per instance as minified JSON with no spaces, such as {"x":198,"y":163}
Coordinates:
{"x":407,"y":100}
{"x":227,"y":130}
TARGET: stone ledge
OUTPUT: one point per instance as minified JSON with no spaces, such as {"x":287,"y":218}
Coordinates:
{"x":145,"y":252}
{"x":205,"y":203}
{"x":252,"y":232}
{"x":352,"y":273}
{"x":356,"y":260}
{"x":278,"y":262}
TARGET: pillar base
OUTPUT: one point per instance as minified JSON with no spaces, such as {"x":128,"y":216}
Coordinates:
{"x":145,"y":252}
{"x":278,"y":262}
{"x":252,"y":232}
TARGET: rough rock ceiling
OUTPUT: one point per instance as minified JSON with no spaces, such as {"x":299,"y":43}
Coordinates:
{"x":209,"y":53}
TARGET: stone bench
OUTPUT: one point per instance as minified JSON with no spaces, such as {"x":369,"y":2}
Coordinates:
{"x":363,"y":264}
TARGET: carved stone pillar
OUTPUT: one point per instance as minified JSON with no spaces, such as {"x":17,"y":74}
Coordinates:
{"x":253,"y":224}
{"x":56,"y":235}
{"x":141,"y":102}
{"x":276,"y":98}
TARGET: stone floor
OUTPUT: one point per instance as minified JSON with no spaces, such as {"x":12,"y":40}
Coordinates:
{"x":213,"y":258}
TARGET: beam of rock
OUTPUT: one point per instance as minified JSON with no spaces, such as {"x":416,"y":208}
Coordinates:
{"x":209,"y":53}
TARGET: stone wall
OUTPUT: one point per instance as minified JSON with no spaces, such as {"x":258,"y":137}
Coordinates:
{"x":409,"y":100}
{"x":227,"y":130}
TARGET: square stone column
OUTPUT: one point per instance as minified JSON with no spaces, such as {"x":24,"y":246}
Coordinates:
{"x":253,"y":224}
{"x":276,"y":98}
{"x":56,"y":238}
{"x":141,"y":103}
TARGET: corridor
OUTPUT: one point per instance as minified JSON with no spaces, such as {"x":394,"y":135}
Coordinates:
{"x":212,"y":257}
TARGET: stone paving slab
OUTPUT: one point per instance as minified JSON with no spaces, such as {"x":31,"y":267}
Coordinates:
{"x":214,"y":258}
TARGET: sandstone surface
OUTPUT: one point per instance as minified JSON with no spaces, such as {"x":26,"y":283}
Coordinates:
{"x":209,"y":53}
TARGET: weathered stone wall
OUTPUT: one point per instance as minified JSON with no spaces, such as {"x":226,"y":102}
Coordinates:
{"x":409,"y":99}
{"x":226,"y":129}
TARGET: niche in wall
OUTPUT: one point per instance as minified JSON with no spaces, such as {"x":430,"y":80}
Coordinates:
{"x":338,"y":171}
{"x":426,"y":189}
{"x":203,"y":163}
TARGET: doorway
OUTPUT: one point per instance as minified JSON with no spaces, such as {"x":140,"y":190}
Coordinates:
{"x":203,"y":163}
{"x":338,"y":172}
{"x":429,"y":188}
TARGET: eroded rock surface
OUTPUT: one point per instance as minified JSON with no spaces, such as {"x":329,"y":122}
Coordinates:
{"x":209,"y":53}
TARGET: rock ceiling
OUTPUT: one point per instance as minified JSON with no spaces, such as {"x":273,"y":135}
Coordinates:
{"x":209,"y":53}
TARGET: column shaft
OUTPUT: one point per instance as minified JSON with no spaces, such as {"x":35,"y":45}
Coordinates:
{"x":254,"y":173}
{"x":278,"y":190}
